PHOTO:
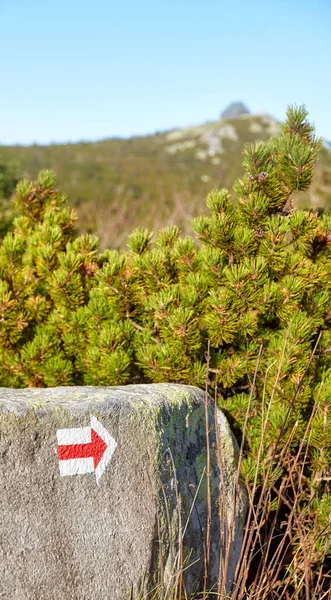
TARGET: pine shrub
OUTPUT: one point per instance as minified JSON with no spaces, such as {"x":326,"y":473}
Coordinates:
{"x":255,"y":284}
{"x":8,"y":181}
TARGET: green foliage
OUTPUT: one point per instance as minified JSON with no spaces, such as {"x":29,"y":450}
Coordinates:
{"x":256,"y":284}
{"x":7,"y":186}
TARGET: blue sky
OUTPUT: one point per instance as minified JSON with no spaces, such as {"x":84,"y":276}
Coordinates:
{"x":73,"y":70}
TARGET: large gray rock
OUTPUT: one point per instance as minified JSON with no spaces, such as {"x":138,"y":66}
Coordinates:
{"x":97,"y":483}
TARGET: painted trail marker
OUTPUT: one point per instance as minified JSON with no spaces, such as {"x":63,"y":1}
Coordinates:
{"x":85,"y":449}
{"x":61,"y":540}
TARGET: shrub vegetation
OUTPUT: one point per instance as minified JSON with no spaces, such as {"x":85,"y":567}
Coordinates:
{"x":255,"y":287}
{"x":8,"y":182}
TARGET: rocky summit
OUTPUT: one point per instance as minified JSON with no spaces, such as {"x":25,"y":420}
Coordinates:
{"x":234,"y":110}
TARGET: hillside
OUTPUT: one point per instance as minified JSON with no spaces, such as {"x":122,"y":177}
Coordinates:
{"x":156,"y":180}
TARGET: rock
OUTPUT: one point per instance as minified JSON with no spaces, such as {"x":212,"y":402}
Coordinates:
{"x":97,"y":484}
{"x":234,"y":110}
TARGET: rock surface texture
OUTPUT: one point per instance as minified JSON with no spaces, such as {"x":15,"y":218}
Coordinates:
{"x":97,"y":483}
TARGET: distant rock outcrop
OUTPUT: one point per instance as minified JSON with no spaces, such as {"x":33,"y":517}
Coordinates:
{"x":235,"y":109}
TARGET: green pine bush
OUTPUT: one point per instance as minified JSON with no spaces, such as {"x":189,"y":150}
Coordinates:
{"x":8,"y":181}
{"x":255,"y":285}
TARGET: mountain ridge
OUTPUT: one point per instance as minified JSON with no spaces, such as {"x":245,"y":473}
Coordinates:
{"x":118,"y":184}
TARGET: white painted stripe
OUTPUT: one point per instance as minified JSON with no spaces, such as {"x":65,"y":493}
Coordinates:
{"x":101,"y":431}
{"x":104,"y":461}
{"x":76,"y":466}
{"x":81,"y":435}
{"x":111,"y":443}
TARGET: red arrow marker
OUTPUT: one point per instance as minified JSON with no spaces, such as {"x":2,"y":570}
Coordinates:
{"x":85,"y":449}
{"x":95,"y":449}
